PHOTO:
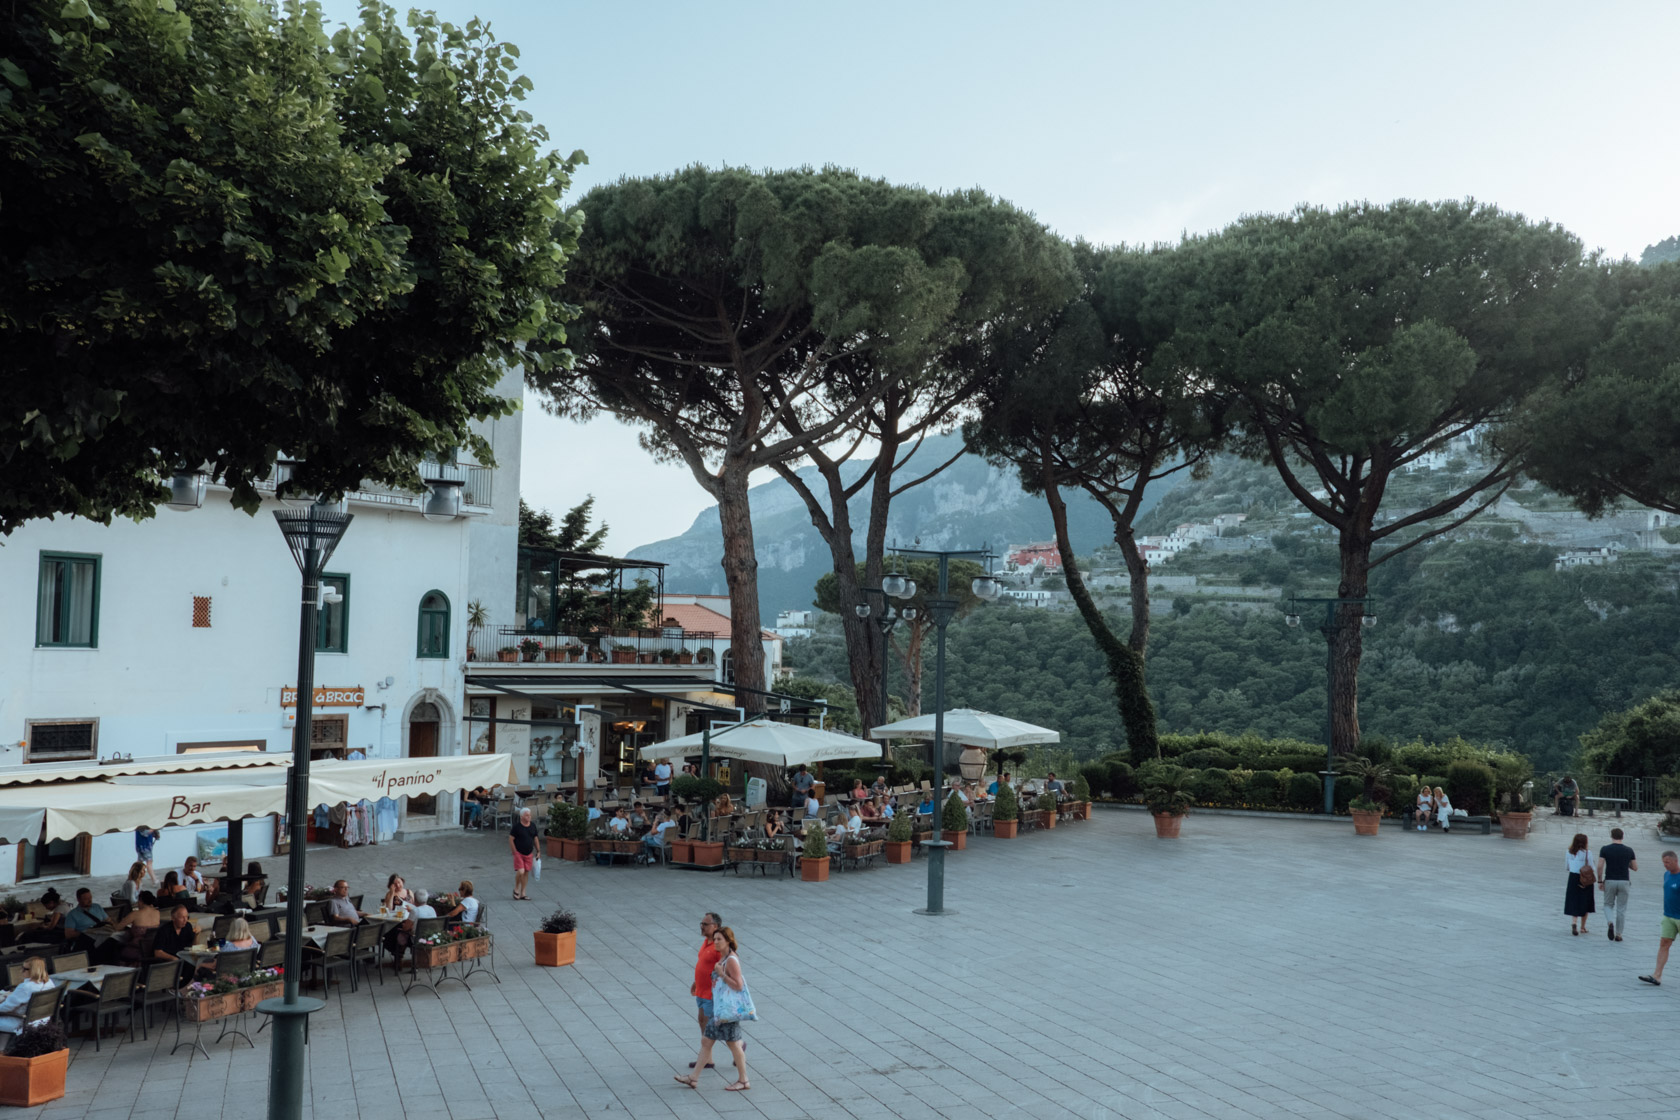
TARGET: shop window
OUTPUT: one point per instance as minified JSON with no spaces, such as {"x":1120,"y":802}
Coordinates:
{"x":329,"y":736}
{"x":434,"y":625}
{"x":61,"y":740}
{"x":67,"y":601}
{"x":332,"y":627}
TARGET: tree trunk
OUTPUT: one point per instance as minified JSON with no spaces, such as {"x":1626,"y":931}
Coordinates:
{"x":1125,"y":665}
{"x":740,"y":571}
{"x":1347,"y":639}
{"x":910,"y":651}
{"x":1137,"y":572}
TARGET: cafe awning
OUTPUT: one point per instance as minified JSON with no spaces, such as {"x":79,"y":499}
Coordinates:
{"x":766,"y":741}
{"x":970,"y":727}
{"x":37,"y":773}
{"x":130,"y":801}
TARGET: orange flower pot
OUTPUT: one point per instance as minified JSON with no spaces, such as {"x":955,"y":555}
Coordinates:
{"x":1005,"y":830}
{"x":30,"y":1081}
{"x":555,"y":949}
{"x":1167,"y":825}
{"x":814,"y":870}
{"x":957,"y":840}
{"x":898,"y":851}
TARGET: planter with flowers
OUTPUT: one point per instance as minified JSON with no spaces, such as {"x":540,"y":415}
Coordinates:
{"x":260,"y":984}
{"x":33,"y":1067}
{"x":205,"y":1000}
{"x":955,"y":822}
{"x":556,"y":940}
{"x":1006,"y":812}
{"x":899,"y":835}
{"x":530,"y":648}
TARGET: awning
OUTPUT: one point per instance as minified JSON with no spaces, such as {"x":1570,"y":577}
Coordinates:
{"x":35,"y":773}
{"x":972,"y":728}
{"x":128,"y":802}
{"x":766,"y":741}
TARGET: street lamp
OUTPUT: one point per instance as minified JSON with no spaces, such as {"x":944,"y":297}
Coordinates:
{"x":886,"y":620}
{"x":1333,"y":624}
{"x":312,"y":534}
{"x":186,"y":489}
{"x":941,"y":609}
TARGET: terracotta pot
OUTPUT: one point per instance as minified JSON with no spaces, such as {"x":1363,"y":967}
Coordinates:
{"x":708,"y":853}
{"x":682,"y":851}
{"x":30,"y":1081}
{"x":623,"y":657}
{"x":1366,"y":821}
{"x":509,"y":655}
{"x":574,"y":851}
{"x":1049,"y":818}
{"x":685,"y":659}
{"x":814,"y":870}
{"x":898,"y":851}
{"x":1514,"y":826}
{"x":1005,"y":830}
{"x":555,"y":949}
{"x":552,"y":655}
{"x":957,"y":840}
{"x":1167,"y":825}
{"x":1084,"y":810}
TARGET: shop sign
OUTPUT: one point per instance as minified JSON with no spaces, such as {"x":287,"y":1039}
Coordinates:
{"x":342,"y":696}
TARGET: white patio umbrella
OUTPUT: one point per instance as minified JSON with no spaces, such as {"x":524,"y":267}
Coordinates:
{"x":769,"y":742}
{"x":971,"y":728}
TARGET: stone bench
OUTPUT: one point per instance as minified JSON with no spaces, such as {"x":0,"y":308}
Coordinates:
{"x":1484,"y":823}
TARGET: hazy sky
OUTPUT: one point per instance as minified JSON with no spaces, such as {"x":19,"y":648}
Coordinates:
{"x":1115,"y":122}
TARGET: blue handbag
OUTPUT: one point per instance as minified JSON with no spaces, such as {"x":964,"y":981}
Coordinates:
{"x":730,"y":1006}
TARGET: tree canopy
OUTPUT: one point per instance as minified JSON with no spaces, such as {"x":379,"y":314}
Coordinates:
{"x":227,"y":235}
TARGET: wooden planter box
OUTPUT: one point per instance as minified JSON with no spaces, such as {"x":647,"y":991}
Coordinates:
{"x":898,"y":851}
{"x":957,"y":840}
{"x":743,"y":855}
{"x":212,"y":1007}
{"x":771,"y":855}
{"x":814,"y":870}
{"x":436,"y":956}
{"x":474,"y":948}
{"x":1005,"y":830}
{"x":555,"y":949}
{"x":623,"y":657}
{"x":707,"y":853}
{"x":250,"y":997}
{"x":31,"y":1081}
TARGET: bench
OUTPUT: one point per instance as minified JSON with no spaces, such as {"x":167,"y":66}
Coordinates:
{"x":1484,"y":823}
{"x":1618,"y":802}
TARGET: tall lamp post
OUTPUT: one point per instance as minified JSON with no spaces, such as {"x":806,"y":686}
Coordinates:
{"x":942,"y":607}
{"x":312,"y":534}
{"x":1333,"y":622}
{"x":886,"y":618}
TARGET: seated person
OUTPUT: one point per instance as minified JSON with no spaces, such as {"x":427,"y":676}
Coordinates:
{"x":639,"y":818}
{"x":396,"y":893}
{"x":683,"y":820}
{"x":594,"y":812}
{"x":879,"y":789}
{"x":401,"y":937}
{"x":176,"y":934}
{"x":17,"y":1000}
{"x":85,"y":916}
{"x":339,"y":910}
{"x":656,"y":835}
{"x":859,"y":793}
{"x":256,"y":885}
{"x":813,"y":807}
{"x":194,"y":880}
{"x":773,"y":826}
{"x":51,"y":911}
{"x":132,"y":929}
{"x":130,"y":889}
{"x":869,"y":811}
{"x":467,"y":909}
{"x":723,"y":807}
{"x":619,"y":823}
{"x":888,"y":811}
{"x":927,"y":804}
{"x":239,"y":936}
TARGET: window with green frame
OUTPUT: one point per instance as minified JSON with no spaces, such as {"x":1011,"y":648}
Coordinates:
{"x":332,"y":620}
{"x":433,"y":639}
{"x":67,"y":600}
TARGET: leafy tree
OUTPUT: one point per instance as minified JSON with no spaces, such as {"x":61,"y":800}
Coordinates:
{"x":1078,"y":400}
{"x":1643,"y":741}
{"x":573,"y":534}
{"x":226,"y":235}
{"x":748,"y":320}
{"x":1613,"y":434}
{"x":1668,"y":249}
{"x":1350,"y":343}
{"x":909,"y":636}
{"x":587,"y":599}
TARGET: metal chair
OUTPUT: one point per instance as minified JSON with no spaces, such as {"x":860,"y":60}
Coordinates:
{"x":115,"y":997}
{"x":235,"y":962}
{"x":335,"y":954}
{"x":314,"y":913}
{"x":221,"y":925}
{"x":67,"y":962}
{"x":272,"y":954}
{"x":364,"y":949}
{"x":157,"y":986}
{"x":500,"y":812}
{"x":259,"y":929}
{"x":41,"y":1005}
{"x":356,"y":902}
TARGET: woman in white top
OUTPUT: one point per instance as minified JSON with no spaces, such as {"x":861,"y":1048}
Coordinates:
{"x":813,"y":807}
{"x":1425,"y":808}
{"x":190,"y":878}
{"x":1578,"y":900}
{"x":17,"y":1000}
{"x":1443,"y":809}
{"x":130,"y":890}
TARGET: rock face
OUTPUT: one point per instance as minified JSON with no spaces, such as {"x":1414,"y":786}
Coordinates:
{"x":969,"y":504}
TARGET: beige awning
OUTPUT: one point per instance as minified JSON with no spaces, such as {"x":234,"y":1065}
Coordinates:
{"x":766,"y":741}
{"x":35,"y":773}
{"x":332,"y":782}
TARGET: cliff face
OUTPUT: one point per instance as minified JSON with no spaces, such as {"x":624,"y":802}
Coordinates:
{"x":968,"y":505}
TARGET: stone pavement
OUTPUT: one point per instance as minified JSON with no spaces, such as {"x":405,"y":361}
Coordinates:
{"x":1253,"y":968}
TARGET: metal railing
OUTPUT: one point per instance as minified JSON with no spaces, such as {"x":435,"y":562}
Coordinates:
{"x":700,"y":650}
{"x":1642,"y":794}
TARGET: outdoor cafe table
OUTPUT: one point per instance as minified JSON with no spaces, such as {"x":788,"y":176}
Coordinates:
{"x":94,"y":978}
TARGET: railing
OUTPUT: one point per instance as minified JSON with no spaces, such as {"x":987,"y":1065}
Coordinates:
{"x":1642,"y":794}
{"x":700,"y":650}
{"x":480,"y":488}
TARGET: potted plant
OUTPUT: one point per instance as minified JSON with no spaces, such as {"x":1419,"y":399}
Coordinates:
{"x":702,"y":792}
{"x":684,"y":657}
{"x":954,"y":822}
{"x":1367,"y":808}
{"x":508,"y":653}
{"x":1046,"y":806}
{"x":554,"y":653}
{"x":568,"y":829}
{"x":1168,"y":798}
{"x":898,"y":838}
{"x":33,"y":1066}
{"x":1006,"y":812}
{"x":624,"y":653}
{"x":574,"y":651}
{"x":477,"y":619}
{"x":556,"y":939}
{"x":813,"y":864}
{"x":1082,"y":798}
{"x":211,"y":999}
{"x":667,"y":656}
{"x":531,"y":648}
{"x":1513,"y":776}
{"x":705,"y":656}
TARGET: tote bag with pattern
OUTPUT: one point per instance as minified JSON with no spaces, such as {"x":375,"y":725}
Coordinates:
{"x":730,"y":1006}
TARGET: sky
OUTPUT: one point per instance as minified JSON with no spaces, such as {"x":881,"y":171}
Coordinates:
{"x":1114,"y":122}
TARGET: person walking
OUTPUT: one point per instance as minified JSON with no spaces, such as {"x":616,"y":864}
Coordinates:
{"x":1671,"y":915}
{"x":144,"y":839}
{"x":1615,"y":860}
{"x":726,"y":971}
{"x":701,"y":989}
{"x":1578,"y":895}
{"x":522,"y":842}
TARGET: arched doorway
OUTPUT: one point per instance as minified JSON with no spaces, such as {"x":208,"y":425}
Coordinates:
{"x":424,"y":723}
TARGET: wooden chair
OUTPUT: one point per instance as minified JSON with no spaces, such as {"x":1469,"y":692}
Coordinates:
{"x":272,"y":954}
{"x":259,"y":929}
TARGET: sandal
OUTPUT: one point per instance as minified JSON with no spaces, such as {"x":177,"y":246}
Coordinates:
{"x":691,"y":1082}
{"x":738,"y":1087}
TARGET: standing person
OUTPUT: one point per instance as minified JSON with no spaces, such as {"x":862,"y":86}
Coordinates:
{"x":1578,"y":898}
{"x":522,"y":842}
{"x":1615,"y":860}
{"x":701,"y":989}
{"x":1671,"y":915}
{"x":726,"y":971}
{"x":802,"y":783}
{"x":144,"y":838}
{"x":662,"y":779}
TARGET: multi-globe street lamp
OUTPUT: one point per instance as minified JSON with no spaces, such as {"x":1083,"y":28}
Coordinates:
{"x":941,"y":608}
{"x":887,"y":618}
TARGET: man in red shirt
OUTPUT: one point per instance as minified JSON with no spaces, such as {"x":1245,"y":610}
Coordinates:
{"x":701,"y":989}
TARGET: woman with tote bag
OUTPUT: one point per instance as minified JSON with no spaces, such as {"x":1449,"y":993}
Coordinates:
{"x":731,"y":1006}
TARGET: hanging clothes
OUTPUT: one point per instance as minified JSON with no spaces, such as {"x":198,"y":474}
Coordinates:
{"x":384,"y":819}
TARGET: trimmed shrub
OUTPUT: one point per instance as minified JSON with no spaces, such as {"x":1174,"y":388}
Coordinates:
{"x":1469,"y":786}
{"x":1306,"y":791}
{"x":1403,"y":791}
{"x":1263,"y":788}
{"x":1211,"y":786}
{"x":1347,"y":788}
{"x":1208,"y":756}
{"x":1096,"y":776}
{"x":1122,"y":784}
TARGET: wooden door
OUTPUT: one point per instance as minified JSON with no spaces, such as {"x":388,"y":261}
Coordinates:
{"x":422,"y":743}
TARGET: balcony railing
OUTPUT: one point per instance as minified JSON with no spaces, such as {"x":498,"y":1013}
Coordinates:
{"x":698,"y":649}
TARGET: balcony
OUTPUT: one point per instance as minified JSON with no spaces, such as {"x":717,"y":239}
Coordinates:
{"x":697,"y":653}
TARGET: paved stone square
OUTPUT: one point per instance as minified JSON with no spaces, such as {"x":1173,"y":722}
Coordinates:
{"x":1253,"y":968}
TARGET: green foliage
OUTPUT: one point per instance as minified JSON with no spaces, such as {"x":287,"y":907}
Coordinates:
{"x":1046,"y":803}
{"x":1264,"y":788}
{"x":1081,"y":786}
{"x":1511,"y":774}
{"x":1095,"y":777}
{"x":1305,"y":791}
{"x":1121,"y":785}
{"x":1211,"y":786}
{"x":701,"y":791}
{"x":899,"y":828}
{"x":1470,"y":786}
{"x":955,"y":816}
{"x":842,"y":708}
{"x":567,"y":821}
{"x":815,"y":842}
{"x":1643,"y":741}
{"x":1668,"y":249}
{"x":1168,"y":790}
{"x":560,"y":921}
{"x":1006,"y":806}
{"x":1373,"y":777}
{"x":227,"y":235}
{"x":537,"y":528}
{"x":38,"y":1039}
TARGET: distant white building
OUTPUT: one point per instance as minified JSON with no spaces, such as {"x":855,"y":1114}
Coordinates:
{"x":1586,"y":557}
{"x":795,"y":624}
{"x":1031,"y":598}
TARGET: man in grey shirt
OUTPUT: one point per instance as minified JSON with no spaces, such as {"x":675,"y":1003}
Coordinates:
{"x":1615,"y":860}
{"x":339,"y":910}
